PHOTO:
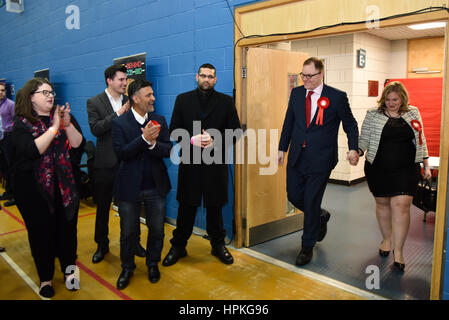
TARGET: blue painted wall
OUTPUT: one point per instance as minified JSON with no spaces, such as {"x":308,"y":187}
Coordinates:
{"x":177,"y":35}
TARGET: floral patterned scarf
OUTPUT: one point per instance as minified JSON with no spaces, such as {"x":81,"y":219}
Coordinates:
{"x":55,"y":163}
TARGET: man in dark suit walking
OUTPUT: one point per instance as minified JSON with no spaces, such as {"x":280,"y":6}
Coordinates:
{"x":141,"y":141}
{"x":196,"y":179}
{"x":310,"y":128}
{"x":101,"y":109}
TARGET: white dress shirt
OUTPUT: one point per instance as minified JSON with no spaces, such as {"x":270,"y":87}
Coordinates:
{"x":116,"y":104}
{"x":314,"y":98}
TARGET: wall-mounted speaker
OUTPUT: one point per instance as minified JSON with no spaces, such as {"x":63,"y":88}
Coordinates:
{"x":15,"y":6}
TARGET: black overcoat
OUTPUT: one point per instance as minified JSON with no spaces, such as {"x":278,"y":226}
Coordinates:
{"x":209,"y":181}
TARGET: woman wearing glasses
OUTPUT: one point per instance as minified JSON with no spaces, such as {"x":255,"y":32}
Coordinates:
{"x":45,"y":189}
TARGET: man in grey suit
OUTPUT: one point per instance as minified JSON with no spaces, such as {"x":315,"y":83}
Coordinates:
{"x":101,"y":109}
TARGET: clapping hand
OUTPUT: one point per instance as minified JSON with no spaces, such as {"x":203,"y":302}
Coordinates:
{"x":64,"y":115}
{"x":125,"y":107}
{"x":56,"y":118}
{"x":151,"y":132}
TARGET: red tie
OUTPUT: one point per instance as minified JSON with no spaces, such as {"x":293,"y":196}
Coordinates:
{"x":308,"y":112}
{"x":308,"y":107}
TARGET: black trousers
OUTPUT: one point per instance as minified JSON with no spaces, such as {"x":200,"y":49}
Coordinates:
{"x":305,"y":190}
{"x":50,"y":235}
{"x":154,"y":205}
{"x":104,"y":179}
{"x":186,"y":220}
{"x":5,"y":162}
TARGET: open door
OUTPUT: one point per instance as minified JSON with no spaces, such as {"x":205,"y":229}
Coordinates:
{"x":271,"y":74}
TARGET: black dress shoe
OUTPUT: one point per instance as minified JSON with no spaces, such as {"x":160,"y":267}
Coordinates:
{"x":141,"y":252}
{"x":47,"y":291}
{"x":153,"y":273}
{"x":324,"y":218}
{"x":223,"y":254}
{"x":9,"y":203}
{"x":173,"y":256}
{"x":5,"y":196}
{"x":304,"y":256}
{"x":383,"y":253}
{"x":123,"y":279}
{"x":99,"y":254}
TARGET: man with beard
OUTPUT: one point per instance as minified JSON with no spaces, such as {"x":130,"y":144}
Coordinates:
{"x":141,"y":141}
{"x":207,"y":182}
{"x":101,"y":109}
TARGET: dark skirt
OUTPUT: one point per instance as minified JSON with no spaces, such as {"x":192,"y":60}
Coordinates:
{"x":394,"y":171}
{"x":390,"y":184}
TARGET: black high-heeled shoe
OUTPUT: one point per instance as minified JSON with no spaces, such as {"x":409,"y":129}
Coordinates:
{"x":399,"y":266}
{"x":383,"y":253}
{"x":47,"y":291}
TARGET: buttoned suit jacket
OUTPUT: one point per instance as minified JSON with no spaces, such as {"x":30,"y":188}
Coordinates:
{"x":321,"y":140}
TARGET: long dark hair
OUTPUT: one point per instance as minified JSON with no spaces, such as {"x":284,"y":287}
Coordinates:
{"x":23,"y":106}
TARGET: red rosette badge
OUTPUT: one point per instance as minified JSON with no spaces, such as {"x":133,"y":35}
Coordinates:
{"x":323,"y":103}
{"x":417,"y":126}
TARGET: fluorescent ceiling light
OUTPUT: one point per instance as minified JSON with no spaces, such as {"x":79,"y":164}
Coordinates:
{"x":430,"y":25}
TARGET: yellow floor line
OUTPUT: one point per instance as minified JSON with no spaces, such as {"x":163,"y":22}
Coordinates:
{"x":312,"y":275}
{"x":22,"y":274}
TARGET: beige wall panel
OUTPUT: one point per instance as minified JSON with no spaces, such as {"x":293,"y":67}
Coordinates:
{"x":425,"y":53}
{"x":331,"y":12}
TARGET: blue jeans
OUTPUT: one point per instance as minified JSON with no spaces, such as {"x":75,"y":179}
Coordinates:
{"x":129,"y":211}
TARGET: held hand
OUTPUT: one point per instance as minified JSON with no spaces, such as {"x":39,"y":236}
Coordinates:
{"x":427,"y":173}
{"x":353,"y":157}
{"x":206,"y":140}
{"x":281,"y":157}
{"x":196,"y":140}
{"x":151,"y":132}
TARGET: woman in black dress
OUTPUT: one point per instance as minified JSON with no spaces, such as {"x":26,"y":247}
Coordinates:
{"x":45,"y":191}
{"x":393,"y":136}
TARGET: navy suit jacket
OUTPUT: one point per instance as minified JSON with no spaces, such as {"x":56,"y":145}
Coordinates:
{"x":321,"y":141}
{"x":130,"y":147}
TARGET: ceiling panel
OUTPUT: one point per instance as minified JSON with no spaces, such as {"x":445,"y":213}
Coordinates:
{"x":404,"y":32}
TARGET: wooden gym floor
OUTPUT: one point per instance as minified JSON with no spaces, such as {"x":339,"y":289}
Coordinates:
{"x":199,"y":276}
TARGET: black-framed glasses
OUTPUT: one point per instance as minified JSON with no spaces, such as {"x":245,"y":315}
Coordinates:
{"x":308,"y":76}
{"x":46,"y":93}
{"x":204,"y":76}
